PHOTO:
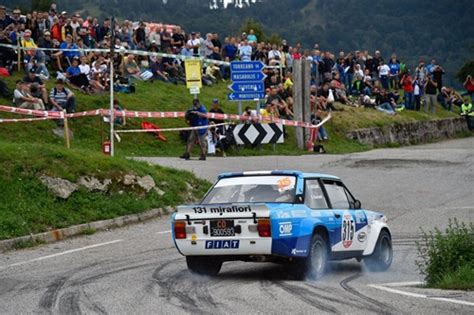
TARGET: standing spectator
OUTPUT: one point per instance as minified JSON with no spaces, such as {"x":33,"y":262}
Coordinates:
{"x":430,"y":94}
{"x":208,"y":45}
{"x":216,"y":42}
{"x":421,"y":72}
{"x":5,"y":19}
{"x":194,"y":119}
{"x":438,"y":73}
{"x":326,"y":65}
{"x":178,"y":40}
{"x":394,"y":73}
{"x":62,"y":98}
{"x":417,"y":93}
{"x":468,"y":112}
{"x":245,"y":51}
{"x":194,"y":43}
{"x":378,"y":60}
{"x":139,"y":37}
{"x":251,"y":37}
{"x":384,"y":71}
{"x":216,"y":109}
{"x":430,"y":68}
{"x":230,"y":50}
{"x":165,"y":39}
{"x":407,"y":83}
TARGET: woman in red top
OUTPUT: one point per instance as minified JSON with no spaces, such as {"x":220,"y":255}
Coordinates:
{"x":407,"y":83}
{"x":469,"y":86}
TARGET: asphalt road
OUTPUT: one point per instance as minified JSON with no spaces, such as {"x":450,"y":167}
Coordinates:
{"x":136,"y":270}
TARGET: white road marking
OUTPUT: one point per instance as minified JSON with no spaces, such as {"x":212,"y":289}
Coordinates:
{"x":163,"y":232}
{"x":389,"y":287}
{"x":62,"y":253}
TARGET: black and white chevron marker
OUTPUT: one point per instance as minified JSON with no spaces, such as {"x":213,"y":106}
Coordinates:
{"x":255,"y":134}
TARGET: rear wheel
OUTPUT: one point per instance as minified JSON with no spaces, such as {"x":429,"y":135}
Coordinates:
{"x":314,"y":266}
{"x":381,"y":258}
{"x":206,"y":266}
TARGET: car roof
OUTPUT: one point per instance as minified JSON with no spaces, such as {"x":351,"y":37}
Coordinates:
{"x":278,"y":172}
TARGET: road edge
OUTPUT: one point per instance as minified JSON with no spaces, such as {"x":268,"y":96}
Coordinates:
{"x":81,"y":229}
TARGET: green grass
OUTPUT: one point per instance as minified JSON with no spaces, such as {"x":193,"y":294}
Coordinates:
{"x":89,"y":133}
{"x":26,"y":205}
{"x":461,"y":279}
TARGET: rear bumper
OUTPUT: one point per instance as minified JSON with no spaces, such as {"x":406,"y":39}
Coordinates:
{"x":225,"y":246}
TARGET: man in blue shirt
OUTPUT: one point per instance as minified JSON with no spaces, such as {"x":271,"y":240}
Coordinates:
{"x":194,"y":118}
{"x":394,"y":73}
{"x":230,"y":50}
{"x":65,"y":53}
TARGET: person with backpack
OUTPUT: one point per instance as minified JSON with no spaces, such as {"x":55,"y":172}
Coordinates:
{"x":194,"y":118}
{"x":62,"y":98}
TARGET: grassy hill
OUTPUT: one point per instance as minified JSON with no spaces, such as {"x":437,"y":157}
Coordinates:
{"x":89,"y":133}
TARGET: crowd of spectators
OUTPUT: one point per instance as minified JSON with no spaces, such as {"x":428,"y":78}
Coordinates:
{"x":352,"y":78}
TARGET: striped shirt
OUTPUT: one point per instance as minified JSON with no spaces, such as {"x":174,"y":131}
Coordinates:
{"x":59,"y":96}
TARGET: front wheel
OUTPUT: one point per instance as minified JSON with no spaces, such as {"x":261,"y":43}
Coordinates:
{"x":206,"y":266}
{"x":381,"y":258}
{"x":314,"y":266}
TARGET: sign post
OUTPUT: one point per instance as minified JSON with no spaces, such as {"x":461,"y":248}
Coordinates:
{"x":247,"y":82}
{"x":193,"y":76}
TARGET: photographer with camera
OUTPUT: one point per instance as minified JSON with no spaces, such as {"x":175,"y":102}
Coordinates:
{"x":194,"y":119}
{"x":430,"y":94}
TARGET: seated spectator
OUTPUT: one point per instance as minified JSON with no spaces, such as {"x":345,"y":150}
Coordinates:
{"x":270,"y":111}
{"x":358,"y":86}
{"x":132,"y":70}
{"x":76,"y":77}
{"x":172,"y":67}
{"x":29,"y":44}
{"x":316,"y":119}
{"x":340,"y":94}
{"x":384,"y":103}
{"x":32,"y":78}
{"x":65,"y":55}
{"x":368,"y":86}
{"x":156,"y":68}
{"x":214,"y":139}
{"x":61,"y":98}
{"x":23,"y":99}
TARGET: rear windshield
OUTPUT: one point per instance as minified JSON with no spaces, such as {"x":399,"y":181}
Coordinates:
{"x":271,"y":189}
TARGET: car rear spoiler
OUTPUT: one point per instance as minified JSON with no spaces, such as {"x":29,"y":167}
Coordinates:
{"x":218,"y":211}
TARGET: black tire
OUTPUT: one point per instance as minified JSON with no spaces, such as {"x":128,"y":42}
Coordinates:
{"x":381,"y":258}
{"x":205,"y":266}
{"x":315,"y":265}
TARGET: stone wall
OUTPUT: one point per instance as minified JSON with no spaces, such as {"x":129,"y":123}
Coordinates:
{"x":410,"y":133}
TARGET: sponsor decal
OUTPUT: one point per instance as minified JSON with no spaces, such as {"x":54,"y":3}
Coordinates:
{"x":284,"y":184}
{"x":221,"y":210}
{"x":285,"y":228}
{"x":226,"y":244}
{"x":298,"y":213}
{"x":362,"y":237}
{"x":295,"y":251}
{"x":360,"y":217}
{"x":284,"y":215}
{"x":348,"y":230}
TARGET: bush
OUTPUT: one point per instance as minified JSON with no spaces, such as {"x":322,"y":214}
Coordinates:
{"x":442,"y":256}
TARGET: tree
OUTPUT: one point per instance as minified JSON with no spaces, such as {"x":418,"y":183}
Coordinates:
{"x":257,"y":27}
{"x":41,"y":5}
{"x":466,"y":69}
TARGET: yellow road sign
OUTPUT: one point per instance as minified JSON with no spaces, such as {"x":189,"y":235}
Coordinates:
{"x":193,"y":73}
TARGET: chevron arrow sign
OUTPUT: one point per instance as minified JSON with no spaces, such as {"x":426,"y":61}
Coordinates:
{"x":255,"y":134}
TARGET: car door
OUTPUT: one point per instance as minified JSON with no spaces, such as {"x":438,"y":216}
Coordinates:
{"x":351,"y":223}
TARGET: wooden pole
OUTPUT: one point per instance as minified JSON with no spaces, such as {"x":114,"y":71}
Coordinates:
{"x":66,"y":130}
{"x":306,"y":73}
{"x":298,"y":101}
{"x":18,"y":51}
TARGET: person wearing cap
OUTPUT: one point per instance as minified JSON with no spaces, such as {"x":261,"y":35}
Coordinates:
{"x":32,"y":79}
{"x":28,"y":43}
{"x":23,"y":98}
{"x":194,"y":118}
{"x":62,"y":98}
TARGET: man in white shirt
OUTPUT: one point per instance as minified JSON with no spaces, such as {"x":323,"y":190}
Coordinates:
{"x":245,"y":51}
{"x":383,"y":73}
{"x":194,"y":43}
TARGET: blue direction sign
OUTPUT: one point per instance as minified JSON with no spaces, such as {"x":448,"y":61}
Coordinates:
{"x":247,"y":87}
{"x":245,"y":96}
{"x":247,"y":76}
{"x":247,"y":81}
{"x":245,"y":66}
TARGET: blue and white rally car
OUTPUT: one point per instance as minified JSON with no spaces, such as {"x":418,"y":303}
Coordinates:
{"x":300,"y":219}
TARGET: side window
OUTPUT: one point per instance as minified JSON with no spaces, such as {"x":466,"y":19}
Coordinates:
{"x":313,"y":195}
{"x":350,"y":198}
{"x":337,"y":195}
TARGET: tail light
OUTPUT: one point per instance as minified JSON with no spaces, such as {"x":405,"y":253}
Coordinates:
{"x":180,"y":230}
{"x":264,"y":228}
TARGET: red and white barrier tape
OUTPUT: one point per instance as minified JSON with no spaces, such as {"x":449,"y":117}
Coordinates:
{"x":140,"y":114}
{"x":26,"y":119}
{"x":170,"y":129}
